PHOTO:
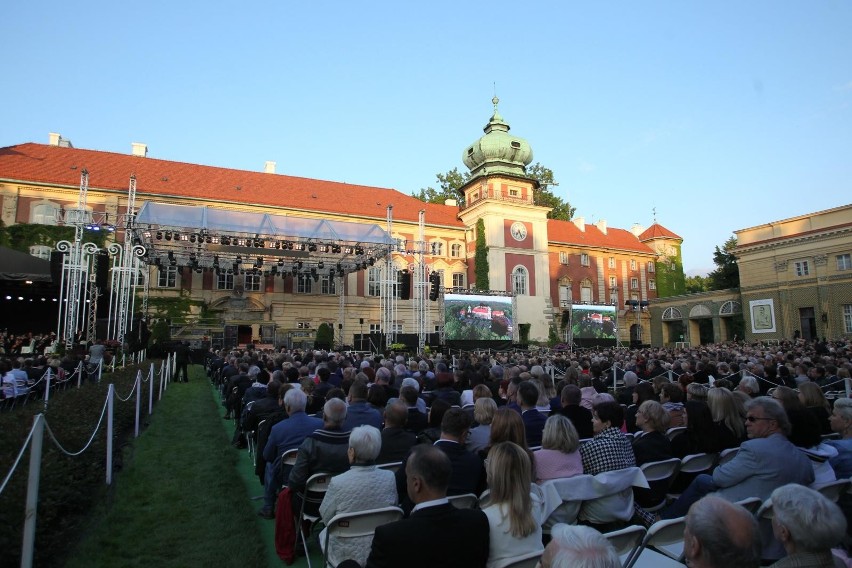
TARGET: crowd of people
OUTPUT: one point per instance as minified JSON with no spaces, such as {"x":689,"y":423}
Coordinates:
{"x":498,"y":425}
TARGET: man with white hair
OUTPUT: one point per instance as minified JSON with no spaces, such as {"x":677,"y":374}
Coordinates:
{"x":720,"y":534}
{"x":749,"y":386}
{"x":808,"y":525}
{"x":578,"y":546}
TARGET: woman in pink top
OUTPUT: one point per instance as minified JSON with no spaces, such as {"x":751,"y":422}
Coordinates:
{"x":559,"y":456}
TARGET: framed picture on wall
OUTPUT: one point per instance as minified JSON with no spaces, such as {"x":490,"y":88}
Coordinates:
{"x":762,"y":316}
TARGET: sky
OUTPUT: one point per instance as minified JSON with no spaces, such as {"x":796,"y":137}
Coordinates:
{"x":708,"y":117}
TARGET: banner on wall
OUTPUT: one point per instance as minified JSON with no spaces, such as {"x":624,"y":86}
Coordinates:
{"x":762,"y":316}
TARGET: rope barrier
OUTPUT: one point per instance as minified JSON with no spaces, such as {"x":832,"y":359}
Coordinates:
{"x":89,"y":443}
{"x":17,"y":459}
{"x":135,"y":384}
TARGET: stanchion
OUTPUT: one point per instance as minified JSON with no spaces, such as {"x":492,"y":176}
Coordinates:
{"x":47,"y":388}
{"x":615,"y":376}
{"x":151,"y":390}
{"x":138,"y":399}
{"x":162,"y":375}
{"x":79,"y":374}
{"x":110,"y":399}
{"x":28,"y":546}
{"x":100,"y":370}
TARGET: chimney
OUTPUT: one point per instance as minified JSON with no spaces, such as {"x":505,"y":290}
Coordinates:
{"x":269,"y":167}
{"x":637,"y":229}
{"x":139,"y":149}
{"x":53,"y":139}
{"x":580,"y":222}
{"x":451,"y":202}
{"x":601,"y":225}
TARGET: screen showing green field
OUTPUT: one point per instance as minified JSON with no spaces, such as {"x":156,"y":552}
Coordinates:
{"x":593,"y":322}
{"x":468,"y":316}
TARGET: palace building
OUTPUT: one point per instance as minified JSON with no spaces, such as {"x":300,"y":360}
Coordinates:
{"x":545,"y":265}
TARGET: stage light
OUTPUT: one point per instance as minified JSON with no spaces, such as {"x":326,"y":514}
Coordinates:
{"x":199,"y":270}
{"x":192,"y":238}
{"x":321,"y":265}
{"x":159,"y":235}
{"x":177,"y":236}
{"x":312,"y":247}
{"x":299,"y":264}
{"x":359,"y":250}
{"x":372,"y":261}
{"x":259,"y":261}
{"x":168,"y":235}
{"x":208,"y":239}
{"x":280,"y":262}
{"x":8,"y":297}
{"x":226,"y":241}
{"x":216,"y":260}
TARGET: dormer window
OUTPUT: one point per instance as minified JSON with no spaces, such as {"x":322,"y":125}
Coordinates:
{"x":516,"y":145}
{"x":470,"y":151}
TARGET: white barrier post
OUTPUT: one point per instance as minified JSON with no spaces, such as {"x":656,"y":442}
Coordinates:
{"x":138,"y":399}
{"x":46,"y":388}
{"x":123,"y":359}
{"x":151,"y":390}
{"x":110,"y":397}
{"x":614,"y":376}
{"x":162,"y":374}
{"x":848,"y":383}
{"x":100,"y":370}
{"x":79,"y":374}
{"x":28,"y":546}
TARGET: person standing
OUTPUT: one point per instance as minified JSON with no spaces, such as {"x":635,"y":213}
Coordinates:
{"x":181,"y":361}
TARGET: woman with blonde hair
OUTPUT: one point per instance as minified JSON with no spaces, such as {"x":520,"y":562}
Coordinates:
{"x":483,"y":414}
{"x":514,"y":513}
{"x":559,"y":456}
{"x":811,"y":396}
{"x":651,"y":444}
{"x":507,"y":426}
{"x":728,"y":420}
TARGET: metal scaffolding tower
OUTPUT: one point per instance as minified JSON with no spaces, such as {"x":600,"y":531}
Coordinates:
{"x":126,"y":270}
{"x":421,"y":286}
{"x":388,"y":290}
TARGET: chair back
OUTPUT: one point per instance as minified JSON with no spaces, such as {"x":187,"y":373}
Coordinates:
{"x":671,"y":433}
{"x":289,"y":457}
{"x":315,"y":490}
{"x":832,"y":490}
{"x":698,"y":463}
{"x":464,"y":501}
{"x":660,"y":470}
{"x":390,"y":466}
{"x":727,"y":455}
{"x":663,"y":537}
{"x":613,"y":496}
{"x":660,"y":475}
{"x":528,"y":560}
{"x":360,"y":523}
{"x":626,"y":541}
{"x":751,"y":504}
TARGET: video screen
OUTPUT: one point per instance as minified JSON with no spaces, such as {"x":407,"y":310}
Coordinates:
{"x":484,"y":318}
{"x":593,"y":322}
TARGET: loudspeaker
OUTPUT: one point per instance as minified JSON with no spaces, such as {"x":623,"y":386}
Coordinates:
{"x":56,"y":259}
{"x":102,"y":270}
{"x":405,"y":286}
{"x":566,"y":318}
{"x":361,"y":321}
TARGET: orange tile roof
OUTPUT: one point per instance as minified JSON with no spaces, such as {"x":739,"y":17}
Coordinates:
{"x":568,"y":233}
{"x":657,"y":231}
{"x":55,"y":165}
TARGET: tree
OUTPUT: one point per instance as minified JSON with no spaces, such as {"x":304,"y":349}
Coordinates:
{"x":325,"y":336}
{"x":696,"y":284}
{"x":727,"y":273}
{"x":480,"y":258}
{"x":450,"y":182}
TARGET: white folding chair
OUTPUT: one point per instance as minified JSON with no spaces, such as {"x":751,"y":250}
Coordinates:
{"x":464,"y":501}
{"x":727,"y":455}
{"x":528,"y":560}
{"x":626,"y":541}
{"x":661,"y":536}
{"x":693,"y":465}
{"x":671,"y":433}
{"x":832,"y":490}
{"x":660,"y":475}
{"x":288,"y":458}
{"x":751,"y":504}
{"x":390,"y":466}
{"x":355,"y":524}
{"x":315,"y":490}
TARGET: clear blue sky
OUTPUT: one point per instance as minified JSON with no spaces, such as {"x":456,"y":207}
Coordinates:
{"x":722,"y":115}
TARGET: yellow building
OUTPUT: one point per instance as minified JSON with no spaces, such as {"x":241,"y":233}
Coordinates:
{"x":545,"y":264}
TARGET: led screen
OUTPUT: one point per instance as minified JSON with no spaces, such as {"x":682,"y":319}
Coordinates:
{"x":472,"y":317}
{"x":593,"y":322}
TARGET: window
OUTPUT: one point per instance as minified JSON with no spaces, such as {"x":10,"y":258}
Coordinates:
{"x":584,"y":259}
{"x":513,"y":193}
{"x":613,"y":282}
{"x":375,"y":328}
{"x":652,"y":284}
{"x":139,"y":276}
{"x":44,"y":213}
{"x":519,"y":281}
{"x":396,"y":327}
{"x":458,"y":279}
{"x":634,"y":283}
{"x":225,"y":280}
{"x":252,"y":283}
{"x":455,"y":250}
{"x":563,"y":257}
{"x":632,"y":264}
{"x":586,"y":291}
{"x":844,"y":262}
{"x":612,"y":262}
{"x":651,"y":267}
{"x":374,"y":287}
{"x":167,"y":277}
{"x":847,"y":318}
{"x":802,"y":268}
{"x":304,"y":284}
{"x":437,"y":248}
{"x":328,"y":285}
{"x":40,"y":251}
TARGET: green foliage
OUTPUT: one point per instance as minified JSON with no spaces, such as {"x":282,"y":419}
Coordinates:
{"x":161,"y":332}
{"x":173,"y":307}
{"x":727,"y":273}
{"x":325,"y":336}
{"x":696,"y":284}
{"x":22,"y":236}
{"x":480,"y":258}
{"x":552,"y":336}
{"x":560,"y":209}
{"x":670,"y":277}
{"x":448,"y":187}
{"x":524,"y":332}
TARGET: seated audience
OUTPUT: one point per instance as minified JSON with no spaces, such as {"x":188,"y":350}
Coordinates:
{"x":450,"y":537}
{"x":651,"y":444}
{"x":559,"y":455}
{"x":507,"y":426}
{"x":396,"y":440}
{"x":671,"y":396}
{"x":483,"y":414}
{"x":514,"y":513}
{"x":814,"y":400}
{"x":533,"y":419}
{"x":720,"y":534}
{"x":699,"y":437}
{"x":728,"y":423}
{"x":360,"y":413}
{"x":609,"y":449}
{"x":643,"y":391}
{"x":578,"y":546}
{"x":579,"y":415}
{"x":432,"y":432}
{"x":361,"y":488}
{"x":807,"y":524}
{"x":326,"y":450}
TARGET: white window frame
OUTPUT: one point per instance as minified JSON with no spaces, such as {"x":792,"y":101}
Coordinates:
{"x":652,"y":266}
{"x":844,"y":262}
{"x":634,"y":283}
{"x":520,"y":281}
{"x":304,"y":283}
{"x":374,"y":281}
{"x":584,"y":259}
{"x":563,"y":257}
{"x":251,"y":282}
{"x":225,"y":280}
{"x":632,"y":264}
{"x":167,"y":277}
{"x":652,"y":284}
{"x":44,"y":213}
{"x":41,"y":251}
{"x":587,"y":295}
{"x":613,"y":282}
{"x":458,"y":279}
{"x":847,"y":318}
{"x":802,"y":268}
{"x":455,"y":250}
{"x":375,"y":328}
{"x":436,"y":248}
{"x":612,"y":262}
{"x":397,"y":327}
{"x":328,"y":285}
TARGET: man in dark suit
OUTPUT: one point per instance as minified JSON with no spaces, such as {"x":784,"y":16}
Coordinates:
{"x":579,"y":416}
{"x":533,"y":419}
{"x":396,"y":440}
{"x":462,"y":534}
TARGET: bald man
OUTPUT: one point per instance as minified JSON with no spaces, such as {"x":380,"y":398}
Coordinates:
{"x":720,"y":534}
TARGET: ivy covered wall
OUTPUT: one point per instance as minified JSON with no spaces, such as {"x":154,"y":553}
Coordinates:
{"x":670,"y":278}
{"x":22,"y":236}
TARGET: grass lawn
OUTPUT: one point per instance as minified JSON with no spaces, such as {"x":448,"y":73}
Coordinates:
{"x":185,"y":495}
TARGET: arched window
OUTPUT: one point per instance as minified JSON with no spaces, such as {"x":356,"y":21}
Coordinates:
{"x":519,"y":281}
{"x":455,"y":250}
{"x":566,"y":295}
{"x":730,"y":307}
{"x":44,"y":213}
{"x":672,"y":314}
